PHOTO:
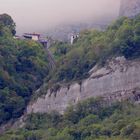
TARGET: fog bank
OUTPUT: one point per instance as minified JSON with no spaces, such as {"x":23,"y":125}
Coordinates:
{"x":35,"y":15}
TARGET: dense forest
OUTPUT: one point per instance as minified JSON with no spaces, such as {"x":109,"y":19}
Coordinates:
{"x":23,"y":65}
{"x":92,"y":119}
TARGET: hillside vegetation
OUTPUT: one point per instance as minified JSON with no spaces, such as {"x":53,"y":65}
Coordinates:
{"x":23,"y":65}
{"x":92,"y":119}
{"x":95,"y":47}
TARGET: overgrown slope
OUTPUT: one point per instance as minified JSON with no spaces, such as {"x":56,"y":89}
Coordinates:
{"x":23,"y":65}
{"x":89,"y":120}
{"x":121,"y":38}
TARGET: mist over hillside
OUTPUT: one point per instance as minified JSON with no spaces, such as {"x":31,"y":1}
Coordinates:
{"x":129,"y":8}
{"x":40,"y":16}
{"x":63,"y":32}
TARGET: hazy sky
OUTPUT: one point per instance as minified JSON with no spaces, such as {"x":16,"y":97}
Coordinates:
{"x":34,"y":15}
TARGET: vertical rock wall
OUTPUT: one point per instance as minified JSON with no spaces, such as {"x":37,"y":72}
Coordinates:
{"x":118,"y":80}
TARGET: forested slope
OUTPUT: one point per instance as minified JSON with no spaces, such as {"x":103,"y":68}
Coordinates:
{"x":23,"y":65}
{"x":92,"y":119}
{"x":121,"y":38}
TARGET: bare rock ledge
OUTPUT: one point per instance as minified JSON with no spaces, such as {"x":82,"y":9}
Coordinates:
{"x":118,"y":80}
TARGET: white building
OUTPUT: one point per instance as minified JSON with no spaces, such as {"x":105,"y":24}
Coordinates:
{"x":73,"y":37}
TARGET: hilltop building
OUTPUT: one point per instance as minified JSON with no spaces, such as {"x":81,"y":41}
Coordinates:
{"x":32,"y":36}
{"x":37,"y":37}
{"x":73,"y":38}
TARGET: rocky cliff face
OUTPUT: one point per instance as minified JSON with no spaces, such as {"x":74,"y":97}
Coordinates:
{"x":118,"y":80}
{"x":129,"y":8}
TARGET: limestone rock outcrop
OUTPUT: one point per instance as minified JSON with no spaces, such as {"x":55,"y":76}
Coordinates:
{"x":119,"y":80}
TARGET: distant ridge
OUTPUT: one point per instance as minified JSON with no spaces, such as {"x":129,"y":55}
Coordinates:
{"x":62,"y":32}
{"x":129,"y":8}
